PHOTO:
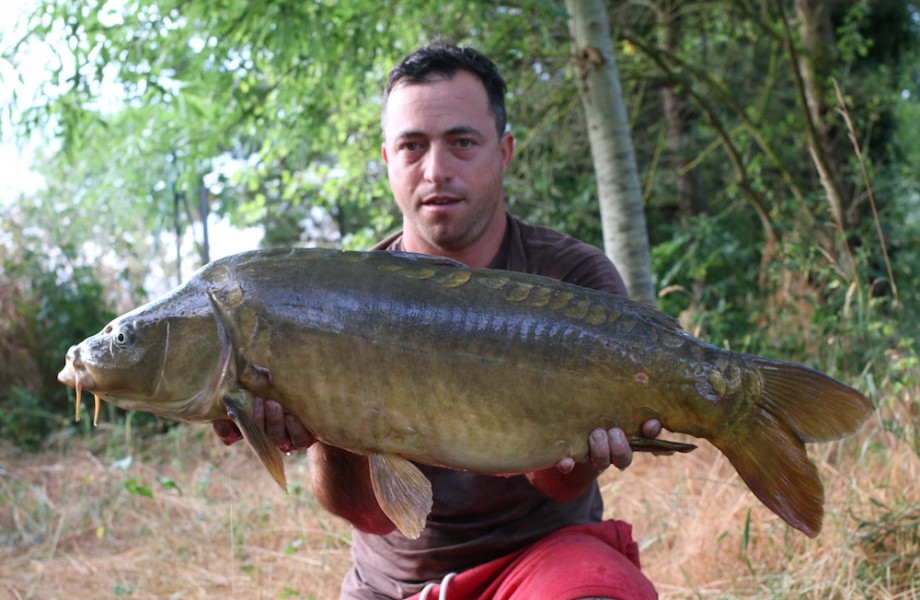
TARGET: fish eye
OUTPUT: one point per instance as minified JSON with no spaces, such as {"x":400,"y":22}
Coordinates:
{"x":123,"y":335}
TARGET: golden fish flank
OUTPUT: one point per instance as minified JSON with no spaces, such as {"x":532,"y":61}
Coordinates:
{"x":411,"y":358}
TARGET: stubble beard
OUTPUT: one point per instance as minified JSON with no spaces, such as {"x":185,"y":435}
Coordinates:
{"x":460,"y":234}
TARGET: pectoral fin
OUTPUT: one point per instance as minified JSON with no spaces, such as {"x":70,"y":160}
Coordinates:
{"x":257,"y":379}
{"x":239,"y":409}
{"x":658,"y":447}
{"x":238,"y":403}
{"x":402,"y":491}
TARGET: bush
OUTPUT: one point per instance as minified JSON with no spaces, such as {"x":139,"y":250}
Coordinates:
{"x":44,"y":310}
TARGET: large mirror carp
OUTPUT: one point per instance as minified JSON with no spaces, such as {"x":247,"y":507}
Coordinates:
{"x":411,"y":358}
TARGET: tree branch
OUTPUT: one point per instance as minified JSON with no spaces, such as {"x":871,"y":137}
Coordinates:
{"x":814,"y":145}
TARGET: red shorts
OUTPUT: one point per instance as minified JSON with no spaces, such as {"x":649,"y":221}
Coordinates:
{"x":597,"y":560}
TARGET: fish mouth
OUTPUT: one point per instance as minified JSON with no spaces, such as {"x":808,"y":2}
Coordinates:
{"x":75,"y":375}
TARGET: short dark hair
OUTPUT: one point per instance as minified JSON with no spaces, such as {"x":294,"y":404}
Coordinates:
{"x":443,"y":61}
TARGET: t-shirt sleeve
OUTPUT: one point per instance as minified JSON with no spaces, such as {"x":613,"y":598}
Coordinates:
{"x":544,"y":251}
{"x":594,"y":270}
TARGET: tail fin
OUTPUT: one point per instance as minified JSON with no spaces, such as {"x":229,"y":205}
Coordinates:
{"x":816,"y":407}
{"x":797,"y":405}
{"x":772,"y":462}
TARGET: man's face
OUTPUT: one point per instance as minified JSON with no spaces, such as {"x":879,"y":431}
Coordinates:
{"x":445,"y":161}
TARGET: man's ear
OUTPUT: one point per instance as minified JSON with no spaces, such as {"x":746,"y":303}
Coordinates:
{"x":506,"y":143}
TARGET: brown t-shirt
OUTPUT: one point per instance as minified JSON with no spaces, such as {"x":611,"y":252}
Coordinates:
{"x":476,"y":518}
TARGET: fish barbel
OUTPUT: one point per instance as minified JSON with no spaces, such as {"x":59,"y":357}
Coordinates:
{"x":412,"y":358}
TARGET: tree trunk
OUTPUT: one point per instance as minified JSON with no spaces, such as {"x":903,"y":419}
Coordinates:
{"x":811,"y":70}
{"x":674,"y":107}
{"x":619,"y":189}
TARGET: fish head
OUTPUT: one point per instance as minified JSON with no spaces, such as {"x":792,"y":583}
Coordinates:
{"x":155,"y":359}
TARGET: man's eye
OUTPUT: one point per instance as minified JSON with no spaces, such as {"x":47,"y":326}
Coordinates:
{"x":410,"y":146}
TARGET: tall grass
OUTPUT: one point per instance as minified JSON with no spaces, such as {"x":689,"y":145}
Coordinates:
{"x":179,"y":516}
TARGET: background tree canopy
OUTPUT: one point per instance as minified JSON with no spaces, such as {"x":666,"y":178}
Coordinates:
{"x":784,"y":218}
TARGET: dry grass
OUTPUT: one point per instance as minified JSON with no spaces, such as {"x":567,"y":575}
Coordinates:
{"x":191,"y":519}
{"x":186,"y":519}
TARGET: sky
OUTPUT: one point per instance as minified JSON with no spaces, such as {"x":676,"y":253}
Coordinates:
{"x":15,"y":172}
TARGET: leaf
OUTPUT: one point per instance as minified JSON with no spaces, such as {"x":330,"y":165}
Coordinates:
{"x":168,"y":483}
{"x":136,"y":489}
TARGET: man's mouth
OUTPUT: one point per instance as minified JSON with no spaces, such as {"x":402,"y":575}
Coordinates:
{"x":440,"y":200}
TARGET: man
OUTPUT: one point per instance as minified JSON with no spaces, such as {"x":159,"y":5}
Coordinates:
{"x":446,"y":149}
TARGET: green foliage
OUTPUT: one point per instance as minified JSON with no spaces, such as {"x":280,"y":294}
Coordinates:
{"x":276,"y":105}
{"x":53,"y":296}
{"x":135,"y":488}
{"x":25,"y":421}
{"x":56,"y":306}
{"x":65,"y":308}
{"x":275,"y":108}
{"x":706,"y":277}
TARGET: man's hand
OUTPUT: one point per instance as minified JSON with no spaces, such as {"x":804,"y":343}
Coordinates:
{"x":570,"y":479}
{"x":610,"y":447}
{"x":282,"y":428}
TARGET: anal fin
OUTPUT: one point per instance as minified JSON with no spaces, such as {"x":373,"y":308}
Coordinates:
{"x":402,"y":491}
{"x":658,"y":447}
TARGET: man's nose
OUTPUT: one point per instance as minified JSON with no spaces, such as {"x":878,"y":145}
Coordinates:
{"x":438,"y":164}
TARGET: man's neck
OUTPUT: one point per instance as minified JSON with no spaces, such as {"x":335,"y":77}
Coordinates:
{"x":477,"y":255}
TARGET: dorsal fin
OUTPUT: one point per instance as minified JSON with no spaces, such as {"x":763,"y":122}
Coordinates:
{"x":441,"y":261}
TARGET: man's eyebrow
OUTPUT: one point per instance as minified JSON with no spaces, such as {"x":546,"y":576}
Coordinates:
{"x":453,"y":131}
{"x":464,"y":130}
{"x":409,"y":133}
